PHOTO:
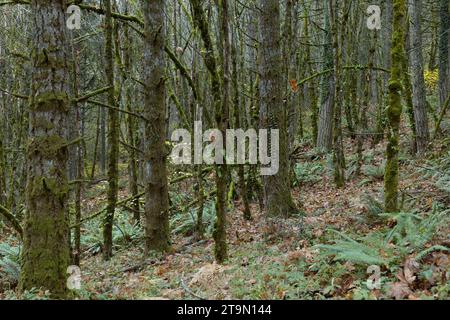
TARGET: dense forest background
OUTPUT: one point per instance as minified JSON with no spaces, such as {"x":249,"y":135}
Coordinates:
{"x":92,"y":206}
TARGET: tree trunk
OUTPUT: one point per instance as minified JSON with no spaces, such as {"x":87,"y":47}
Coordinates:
{"x":278,"y":199}
{"x":408,"y":95}
{"x":220,"y":104}
{"x":45,"y":255}
{"x":157,"y":234}
{"x":418,"y":83}
{"x":131,"y":125}
{"x":394,"y":110}
{"x":222,"y":119}
{"x":338,"y":146}
{"x":239,"y":122}
{"x":325,"y":129}
{"x":444,"y":36}
{"x":113,"y":138}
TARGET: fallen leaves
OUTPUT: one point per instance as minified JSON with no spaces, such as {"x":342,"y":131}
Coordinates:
{"x":207,"y":274}
{"x":407,"y":276}
{"x":399,"y":290}
{"x":410,"y":269}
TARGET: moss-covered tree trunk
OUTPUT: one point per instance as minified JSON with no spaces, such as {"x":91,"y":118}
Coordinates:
{"x":113,"y":136}
{"x":222,"y":120}
{"x":394,"y":111}
{"x":45,"y":255}
{"x":75,"y":117}
{"x":221,"y":116}
{"x":277,"y":194}
{"x":157,"y":235}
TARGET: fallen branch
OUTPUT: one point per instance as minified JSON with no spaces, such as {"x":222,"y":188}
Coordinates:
{"x":12,"y":219}
{"x":139,"y":267}
{"x":188,"y":290}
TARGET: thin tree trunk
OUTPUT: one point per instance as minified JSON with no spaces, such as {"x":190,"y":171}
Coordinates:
{"x":408,"y":92}
{"x":221,"y":115}
{"x":113,"y":138}
{"x":131,"y":126}
{"x":417,"y":68}
{"x":338,"y":147}
{"x":78,"y":156}
{"x":325,"y":129}
{"x":239,"y":120}
{"x":222,"y":119}
{"x":444,"y":36}
{"x":394,"y":111}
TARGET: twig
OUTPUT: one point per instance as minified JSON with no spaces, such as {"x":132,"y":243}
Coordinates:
{"x":186,"y":288}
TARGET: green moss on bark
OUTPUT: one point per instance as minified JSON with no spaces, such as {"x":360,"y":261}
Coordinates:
{"x":51,"y":101}
{"x":394,"y":111}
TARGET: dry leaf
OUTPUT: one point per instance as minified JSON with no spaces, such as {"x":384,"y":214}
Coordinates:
{"x":294,"y":85}
{"x":410,"y":269}
{"x":399,"y":290}
{"x":294,"y":256}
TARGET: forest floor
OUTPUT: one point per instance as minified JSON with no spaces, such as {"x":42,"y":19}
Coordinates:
{"x":324,"y":252}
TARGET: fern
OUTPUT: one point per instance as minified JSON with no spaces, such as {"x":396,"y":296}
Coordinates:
{"x":124,"y":232}
{"x":307,"y":172}
{"x":439,"y":172}
{"x":185,"y":223}
{"x":374,"y":207}
{"x":360,"y":252}
{"x":10,"y":262}
{"x":426,"y":252}
{"x":374,"y":172}
{"x":413,"y":231}
{"x":410,"y":235}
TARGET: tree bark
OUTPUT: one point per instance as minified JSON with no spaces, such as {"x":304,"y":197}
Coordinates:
{"x":278,"y":199}
{"x":394,"y":111}
{"x":45,"y":255}
{"x":444,"y":36}
{"x":325,"y":129}
{"x":418,"y":83}
{"x":157,"y":234}
{"x":113,"y":137}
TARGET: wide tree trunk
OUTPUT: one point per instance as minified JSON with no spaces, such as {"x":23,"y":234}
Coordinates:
{"x":278,"y":199}
{"x":45,"y":255}
{"x":157,"y":235}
